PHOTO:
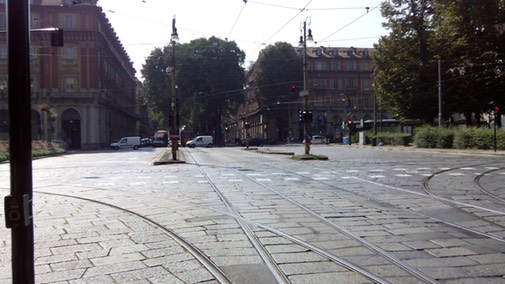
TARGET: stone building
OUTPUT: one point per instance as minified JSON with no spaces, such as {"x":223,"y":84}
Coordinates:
{"x":84,"y":92}
{"x":340,"y":85}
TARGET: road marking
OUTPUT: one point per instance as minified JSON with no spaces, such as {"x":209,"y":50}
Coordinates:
{"x":143,"y":177}
{"x":291,"y":178}
{"x":138,"y":183}
{"x":456,"y":174}
{"x":235,"y":180}
{"x":171,"y":181}
{"x":263,"y":179}
{"x":377,"y":176}
{"x":320,"y":178}
{"x":403,"y":175}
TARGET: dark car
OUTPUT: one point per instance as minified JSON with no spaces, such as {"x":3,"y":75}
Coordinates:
{"x":146,"y":142}
{"x":254,"y":141}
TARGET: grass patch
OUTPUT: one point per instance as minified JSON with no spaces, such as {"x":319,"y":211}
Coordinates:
{"x":39,"y":149}
{"x":309,"y":157}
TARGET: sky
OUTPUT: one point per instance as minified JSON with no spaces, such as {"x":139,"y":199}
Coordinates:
{"x":143,"y":25}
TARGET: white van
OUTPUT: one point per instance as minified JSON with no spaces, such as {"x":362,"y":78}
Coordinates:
{"x":200,"y":141}
{"x":126,"y":142}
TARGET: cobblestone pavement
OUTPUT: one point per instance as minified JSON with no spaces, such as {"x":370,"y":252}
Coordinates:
{"x":78,"y":241}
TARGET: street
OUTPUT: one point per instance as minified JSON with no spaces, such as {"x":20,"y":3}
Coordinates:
{"x":230,"y":215}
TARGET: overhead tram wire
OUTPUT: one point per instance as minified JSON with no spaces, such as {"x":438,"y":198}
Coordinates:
{"x":290,"y":20}
{"x":348,"y":24}
{"x":236,"y":20}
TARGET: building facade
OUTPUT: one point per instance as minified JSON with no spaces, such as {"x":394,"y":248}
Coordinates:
{"x":340,"y":85}
{"x":84,"y":92}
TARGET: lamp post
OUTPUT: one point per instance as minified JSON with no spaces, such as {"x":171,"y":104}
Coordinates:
{"x":173,"y":40}
{"x":305,"y":92}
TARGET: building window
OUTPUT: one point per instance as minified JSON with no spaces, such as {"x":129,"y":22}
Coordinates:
{"x":352,"y":65}
{"x":320,"y":65}
{"x":336,"y":84}
{"x":69,"y":22}
{"x":366,"y":84}
{"x":319,"y":83}
{"x":351,"y":84}
{"x":3,"y":21}
{"x":3,"y":52}
{"x":69,"y":83}
{"x":335,"y":65}
{"x":69,"y":55}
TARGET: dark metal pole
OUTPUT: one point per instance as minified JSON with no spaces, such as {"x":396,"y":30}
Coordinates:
{"x":306,"y":97}
{"x":18,"y":205}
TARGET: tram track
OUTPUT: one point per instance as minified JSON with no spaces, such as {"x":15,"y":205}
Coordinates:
{"x":412,"y":271}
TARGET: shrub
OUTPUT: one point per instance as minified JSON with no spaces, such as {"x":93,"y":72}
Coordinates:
{"x":460,"y":138}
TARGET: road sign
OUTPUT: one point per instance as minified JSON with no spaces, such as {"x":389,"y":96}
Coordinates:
{"x":174,"y":135}
{"x":304,"y":93}
{"x":500,"y":27}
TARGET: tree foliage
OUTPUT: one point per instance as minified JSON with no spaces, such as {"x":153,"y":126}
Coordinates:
{"x":458,"y":34}
{"x":209,"y":79}
{"x":278,"y":68}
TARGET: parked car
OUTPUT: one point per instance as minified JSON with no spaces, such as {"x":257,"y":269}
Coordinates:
{"x":146,"y":142}
{"x":253,"y":141}
{"x":318,"y":139}
{"x":200,"y":141}
{"x":126,"y":142}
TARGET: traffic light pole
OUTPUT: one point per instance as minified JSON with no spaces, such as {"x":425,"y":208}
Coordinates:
{"x":305,"y":91}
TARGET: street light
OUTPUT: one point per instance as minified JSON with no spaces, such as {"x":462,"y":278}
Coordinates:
{"x":305,"y":92}
{"x":173,"y":40}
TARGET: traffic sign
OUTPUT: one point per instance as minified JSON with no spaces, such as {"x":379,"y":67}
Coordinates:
{"x":304,"y":93}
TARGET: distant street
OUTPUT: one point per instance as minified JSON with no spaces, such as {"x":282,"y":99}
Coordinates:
{"x":367,"y":215}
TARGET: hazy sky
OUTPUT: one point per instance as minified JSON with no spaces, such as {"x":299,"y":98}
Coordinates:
{"x":142,"y":25}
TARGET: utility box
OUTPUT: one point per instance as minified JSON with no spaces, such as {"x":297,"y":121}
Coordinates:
{"x":362,"y":138}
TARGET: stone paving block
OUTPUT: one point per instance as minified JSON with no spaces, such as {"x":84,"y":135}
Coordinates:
{"x":195,"y":276}
{"x":334,"y":277}
{"x":455,"y":251}
{"x":59,"y":276}
{"x":420,"y":245}
{"x":114,"y":268}
{"x":114,"y":259}
{"x":93,"y":280}
{"x":311,"y":267}
{"x":168,"y":259}
{"x":56,"y":258}
{"x":71,"y":265}
{"x":236,"y":260}
{"x":442,"y":262}
{"x":285,"y":248}
{"x":141,"y":275}
{"x":69,"y":249}
{"x":297,"y":257}
{"x":489,"y":258}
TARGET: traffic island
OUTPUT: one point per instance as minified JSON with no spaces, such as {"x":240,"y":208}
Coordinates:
{"x":166,"y":159}
{"x":309,"y":157}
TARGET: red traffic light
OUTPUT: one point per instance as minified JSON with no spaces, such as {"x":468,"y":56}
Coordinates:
{"x":497,"y":108}
{"x":350,"y":122}
{"x":293,"y":88}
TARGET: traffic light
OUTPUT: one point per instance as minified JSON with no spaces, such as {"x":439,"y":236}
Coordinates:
{"x":351,"y":126}
{"x":308,"y":116}
{"x":57,"y":37}
{"x":497,"y":108}
{"x":301,"y":116}
{"x":247,"y":125}
{"x":293,"y":89}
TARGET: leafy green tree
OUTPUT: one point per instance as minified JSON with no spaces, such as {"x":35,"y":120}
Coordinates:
{"x":155,"y":88}
{"x":209,"y":80}
{"x":460,"y":35}
{"x":278,"y":68}
{"x":405,"y":73}
{"x":472,"y":55}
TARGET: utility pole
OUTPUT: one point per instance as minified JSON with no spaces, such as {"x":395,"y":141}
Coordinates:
{"x":305,"y":92}
{"x":19,"y":204}
{"x":173,"y":40}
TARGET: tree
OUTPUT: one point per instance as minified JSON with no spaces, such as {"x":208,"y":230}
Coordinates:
{"x":460,"y":35}
{"x":278,"y":68}
{"x":404,"y":74}
{"x":209,"y":79}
